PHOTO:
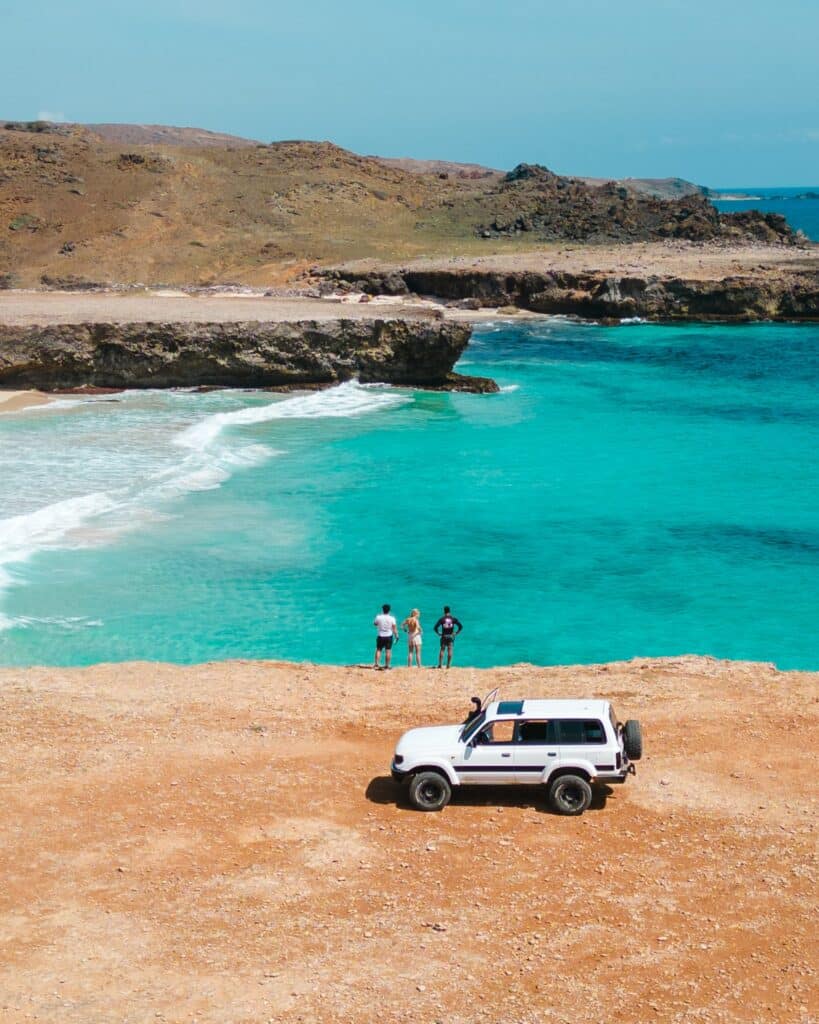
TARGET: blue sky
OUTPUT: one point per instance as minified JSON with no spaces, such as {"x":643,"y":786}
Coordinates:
{"x":723,"y":93}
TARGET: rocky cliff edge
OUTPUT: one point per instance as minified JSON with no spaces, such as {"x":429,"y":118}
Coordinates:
{"x":308,"y":353}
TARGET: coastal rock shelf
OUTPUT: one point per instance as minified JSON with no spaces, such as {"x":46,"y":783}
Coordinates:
{"x":406,"y":351}
{"x":596,"y":295}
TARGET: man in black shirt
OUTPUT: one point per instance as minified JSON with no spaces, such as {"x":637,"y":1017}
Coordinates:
{"x":446,"y":627}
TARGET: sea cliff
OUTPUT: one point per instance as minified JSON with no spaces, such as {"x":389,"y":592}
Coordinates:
{"x":602,"y":294}
{"x":414,"y":352}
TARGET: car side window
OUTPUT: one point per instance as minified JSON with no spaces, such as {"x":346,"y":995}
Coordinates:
{"x":542,"y":731}
{"x":577,"y":730}
{"x":498,"y":732}
{"x":593,"y":732}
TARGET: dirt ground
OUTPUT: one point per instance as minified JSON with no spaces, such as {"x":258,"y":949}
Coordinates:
{"x":222,"y":843}
{"x":692,"y":261}
{"x":662,"y":259}
{"x":21,"y":308}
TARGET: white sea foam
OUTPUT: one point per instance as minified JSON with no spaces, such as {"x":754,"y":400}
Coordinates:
{"x":54,"y":526}
{"x":70,"y":623}
{"x":55,"y":405}
{"x":97,"y":518}
{"x":507,"y":388}
{"x":49,"y":526}
{"x":348,"y":399}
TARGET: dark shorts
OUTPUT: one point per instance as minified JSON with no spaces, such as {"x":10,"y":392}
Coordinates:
{"x":383,"y":643}
{"x":447,"y":641}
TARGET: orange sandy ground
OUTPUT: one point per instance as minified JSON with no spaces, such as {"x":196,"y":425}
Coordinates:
{"x":223,"y":843}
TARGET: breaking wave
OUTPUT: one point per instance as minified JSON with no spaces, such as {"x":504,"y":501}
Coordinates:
{"x":348,"y":399}
{"x":97,"y":518}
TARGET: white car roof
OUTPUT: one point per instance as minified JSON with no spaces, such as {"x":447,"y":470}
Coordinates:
{"x":548,"y":709}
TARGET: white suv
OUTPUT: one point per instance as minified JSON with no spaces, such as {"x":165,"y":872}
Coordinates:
{"x":566,"y":745}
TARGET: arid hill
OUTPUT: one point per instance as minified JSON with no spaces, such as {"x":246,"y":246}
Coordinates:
{"x":185,"y":207}
{"x":443,"y":168}
{"x":164,"y":135}
{"x":660,"y":188}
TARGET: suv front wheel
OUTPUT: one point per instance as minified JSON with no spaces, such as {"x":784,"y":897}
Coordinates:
{"x":429,"y":791}
{"x":570,"y":794}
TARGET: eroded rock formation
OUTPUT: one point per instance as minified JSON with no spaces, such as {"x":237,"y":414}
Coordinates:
{"x":531,"y":200}
{"x":407,"y":351}
{"x":596,"y":294}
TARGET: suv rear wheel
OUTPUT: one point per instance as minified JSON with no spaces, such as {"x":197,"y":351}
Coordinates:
{"x":429,"y":791}
{"x":633,"y":740}
{"x":570,"y":794}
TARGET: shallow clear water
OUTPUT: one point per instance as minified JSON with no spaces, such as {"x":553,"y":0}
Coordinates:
{"x":638,"y":490}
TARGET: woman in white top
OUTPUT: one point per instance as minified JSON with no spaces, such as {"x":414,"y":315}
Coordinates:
{"x":412,"y":627}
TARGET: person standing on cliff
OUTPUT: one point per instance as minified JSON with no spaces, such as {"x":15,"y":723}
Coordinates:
{"x":386,"y":634}
{"x":412,"y":627}
{"x":445,"y":628}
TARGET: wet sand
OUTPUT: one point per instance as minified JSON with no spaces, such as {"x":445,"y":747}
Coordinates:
{"x":13,"y":401}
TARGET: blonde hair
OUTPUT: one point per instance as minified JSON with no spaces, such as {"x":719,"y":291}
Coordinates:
{"x":414,"y":614}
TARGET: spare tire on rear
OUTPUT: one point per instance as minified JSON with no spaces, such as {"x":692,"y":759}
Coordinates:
{"x":633,"y":740}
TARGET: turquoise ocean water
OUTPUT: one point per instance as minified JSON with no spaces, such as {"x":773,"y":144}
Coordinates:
{"x":801,"y":214}
{"x":634,"y":490}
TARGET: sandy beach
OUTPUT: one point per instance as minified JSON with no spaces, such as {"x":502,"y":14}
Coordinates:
{"x":222,"y":842}
{"x":13,"y":401}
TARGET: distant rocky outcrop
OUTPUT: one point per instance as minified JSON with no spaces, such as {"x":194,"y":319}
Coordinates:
{"x":38,"y":127}
{"x":413,"y":352}
{"x":660,"y":188}
{"x":533,"y":200}
{"x":165,"y":135}
{"x":441,"y":168}
{"x":599,"y":295}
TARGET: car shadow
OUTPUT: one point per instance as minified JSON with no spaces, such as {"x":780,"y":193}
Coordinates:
{"x":383,"y":790}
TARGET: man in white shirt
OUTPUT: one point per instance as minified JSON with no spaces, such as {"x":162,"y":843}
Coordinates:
{"x":387,"y":629}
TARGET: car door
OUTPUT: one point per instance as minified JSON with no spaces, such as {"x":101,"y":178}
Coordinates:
{"x":536,"y":749}
{"x":489,"y":755}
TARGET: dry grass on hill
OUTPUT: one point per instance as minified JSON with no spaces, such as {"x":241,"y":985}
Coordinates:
{"x":185,"y":214}
{"x":181,"y":206}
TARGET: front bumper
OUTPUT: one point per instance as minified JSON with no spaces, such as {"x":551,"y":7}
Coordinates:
{"x":397,"y":772}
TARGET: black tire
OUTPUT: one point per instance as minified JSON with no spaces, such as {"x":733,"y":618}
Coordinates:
{"x":570,"y":794}
{"x":429,"y":791}
{"x":633,"y":740}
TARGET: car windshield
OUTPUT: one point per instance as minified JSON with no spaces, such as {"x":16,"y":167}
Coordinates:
{"x":472,"y":727}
